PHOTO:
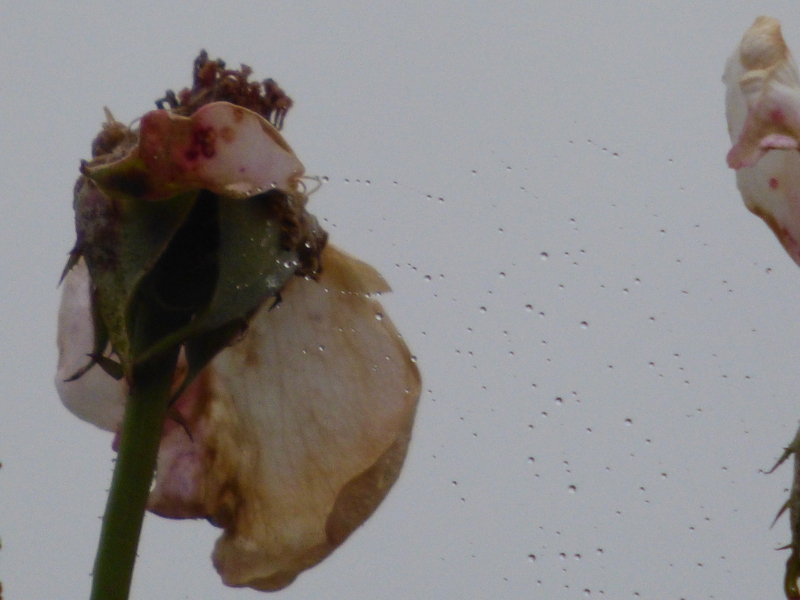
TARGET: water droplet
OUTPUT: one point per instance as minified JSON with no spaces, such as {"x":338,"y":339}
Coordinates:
{"x":321,"y":348}
{"x":559,"y":400}
{"x":413,"y":359}
{"x":528,"y":307}
{"x":325,"y":179}
{"x":530,"y":458}
{"x":483,"y":309}
{"x":543,"y":255}
{"x":379,"y":316}
{"x":531,"y":557}
{"x":572,"y":489}
{"x":584,"y":325}
{"x":628,"y":422}
{"x":502,"y":275}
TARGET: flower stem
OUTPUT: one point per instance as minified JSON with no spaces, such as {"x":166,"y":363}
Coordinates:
{"x":141,"y":433}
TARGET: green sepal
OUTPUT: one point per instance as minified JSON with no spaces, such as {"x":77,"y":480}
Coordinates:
{"x":109,"y":365}
{"x":143,"y":252}
{"x":252,"y":268}
{"x":122,"y":238}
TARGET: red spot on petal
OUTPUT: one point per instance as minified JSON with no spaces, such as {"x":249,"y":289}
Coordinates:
{"x":777,"y":116}
{"x":202,"y":143}
{"x":773,"y":183}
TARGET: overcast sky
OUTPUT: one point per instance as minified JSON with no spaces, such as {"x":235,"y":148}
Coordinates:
{"x":607,"y":338}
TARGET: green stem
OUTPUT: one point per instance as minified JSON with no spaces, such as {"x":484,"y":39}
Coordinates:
{"x":141,"y":433}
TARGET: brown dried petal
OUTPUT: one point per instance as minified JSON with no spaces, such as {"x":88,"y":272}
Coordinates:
{"x":299,"y":430}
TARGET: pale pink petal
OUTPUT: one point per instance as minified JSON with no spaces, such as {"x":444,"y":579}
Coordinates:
{"x":95,"y":397}
{"x":298,"y":430}
{"x":763,"y":111}
{"x":223,"y":148}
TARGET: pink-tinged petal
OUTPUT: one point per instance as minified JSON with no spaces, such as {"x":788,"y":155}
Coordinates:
{"x":763,"y":94}
{"x":298,"y":430}
{"x":224,"y":148}
{"x":95,"y":397}
{"x":763,"y":111}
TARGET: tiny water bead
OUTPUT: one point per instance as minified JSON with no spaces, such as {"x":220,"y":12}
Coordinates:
{"x":544,"y":256}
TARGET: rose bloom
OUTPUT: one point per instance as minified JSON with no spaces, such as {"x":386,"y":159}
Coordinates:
{"x":291,"y":436}
{"x":763,"y":110}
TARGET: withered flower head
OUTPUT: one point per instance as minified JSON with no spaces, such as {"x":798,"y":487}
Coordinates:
{"x":295,"y":394}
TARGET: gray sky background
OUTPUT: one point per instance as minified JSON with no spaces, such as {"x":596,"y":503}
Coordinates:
{"x":515,"y":170}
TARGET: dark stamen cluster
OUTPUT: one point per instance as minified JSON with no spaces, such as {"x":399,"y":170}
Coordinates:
{"x":214,"y":83}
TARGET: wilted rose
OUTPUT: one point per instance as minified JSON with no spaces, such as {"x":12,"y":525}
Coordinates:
{"x":296,"y":429}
